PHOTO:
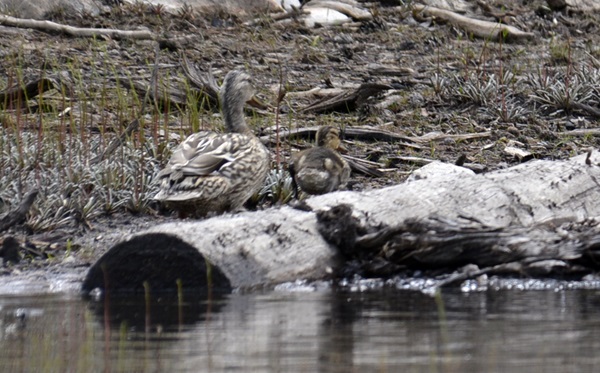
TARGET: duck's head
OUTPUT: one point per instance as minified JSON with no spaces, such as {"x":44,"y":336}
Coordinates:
{"x":329,"y":137}
{"x":237,"y":89}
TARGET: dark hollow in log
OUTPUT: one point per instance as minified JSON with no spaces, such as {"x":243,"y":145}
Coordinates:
{"x":130,"y":264}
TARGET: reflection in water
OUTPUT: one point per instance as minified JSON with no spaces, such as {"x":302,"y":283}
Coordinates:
{"x":157,"y":311}
{"x":325,"y":331}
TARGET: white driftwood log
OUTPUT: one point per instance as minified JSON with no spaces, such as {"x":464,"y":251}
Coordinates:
{"x":283,"y":244}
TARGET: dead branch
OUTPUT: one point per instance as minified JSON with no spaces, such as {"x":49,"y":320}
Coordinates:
{"x":419,"y":161}
{"x":347,"y":101}
{"x":581,"y":132}
{"x":587,"y":109}
{"x":372,"y":134}
{"x":439,"y":136}
{"x":295,"y":13}
{"x":356,"y":133}
{"x":205,"y":83}
{"x":20,"y":213}
{"x":479,"y":28}
{"x":49,"y":26}
{"x":317,"y":93}
{"x":363,"y":166}
{"x":518,"y":153}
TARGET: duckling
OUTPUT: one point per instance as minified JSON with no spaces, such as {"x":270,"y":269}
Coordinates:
{"x":210,"y":173}
{"x":321,"y":169}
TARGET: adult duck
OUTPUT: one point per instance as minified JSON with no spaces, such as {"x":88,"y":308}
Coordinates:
{"x":209,"y":172}
{"x":320,"y":169}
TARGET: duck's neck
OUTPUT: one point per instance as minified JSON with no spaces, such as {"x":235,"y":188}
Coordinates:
{"x":233,"y":114}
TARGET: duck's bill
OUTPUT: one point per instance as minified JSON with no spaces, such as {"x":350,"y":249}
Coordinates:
{"x":342,"y":149}
{"x":256,"y":103}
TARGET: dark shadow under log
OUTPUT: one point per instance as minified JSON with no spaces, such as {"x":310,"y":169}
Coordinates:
{"x":157,"y":261}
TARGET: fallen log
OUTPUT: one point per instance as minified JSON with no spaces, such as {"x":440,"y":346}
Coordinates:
{"x":284,"y":244}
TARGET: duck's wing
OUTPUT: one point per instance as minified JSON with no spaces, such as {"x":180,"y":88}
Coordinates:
{"x":201,"y":154}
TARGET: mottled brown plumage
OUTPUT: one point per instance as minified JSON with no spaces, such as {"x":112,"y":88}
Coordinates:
{"x":320,"y":169}
{"x":216,"y":172}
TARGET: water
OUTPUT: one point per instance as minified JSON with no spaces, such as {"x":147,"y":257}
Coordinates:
{"x":302,"y":331}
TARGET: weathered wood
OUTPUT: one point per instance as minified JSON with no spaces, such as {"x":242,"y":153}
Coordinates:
{"x":284,"y":244}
